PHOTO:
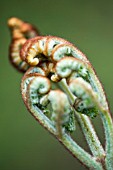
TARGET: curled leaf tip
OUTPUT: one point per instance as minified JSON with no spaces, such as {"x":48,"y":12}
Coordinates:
{"x":60,"y":59}
{"x":20,"y":32}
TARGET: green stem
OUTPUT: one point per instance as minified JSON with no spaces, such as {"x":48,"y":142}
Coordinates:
{"x":66,"y":140}
{"x":80,"y":154}
{"x":90,"y":135}
{"x":63,"y":85}
{"x":108,"y":126}
{"x":86,"y":126}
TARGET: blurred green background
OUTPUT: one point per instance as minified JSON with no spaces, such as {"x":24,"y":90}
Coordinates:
{"x":24,"y":144}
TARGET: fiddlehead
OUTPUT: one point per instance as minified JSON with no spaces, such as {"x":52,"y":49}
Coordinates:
{"x":41,"y":50}
{"x":20,"y":32}
{"x":59,"y":64}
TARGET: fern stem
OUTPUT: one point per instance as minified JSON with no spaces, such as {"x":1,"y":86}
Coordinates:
{"x":67,"y":141}
{"x":80,"y":154}
{"x":86,"y":126}
{"x":108,"y":127}
{"x":90,"y":135}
